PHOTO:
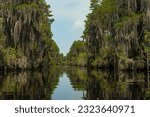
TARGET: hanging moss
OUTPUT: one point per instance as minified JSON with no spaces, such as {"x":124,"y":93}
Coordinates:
{"x":27,"y":30}
{"x":125,"y":23}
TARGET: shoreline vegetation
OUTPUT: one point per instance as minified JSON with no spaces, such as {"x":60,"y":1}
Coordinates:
{"x":25,"y":35}
{"x":116,"y":36}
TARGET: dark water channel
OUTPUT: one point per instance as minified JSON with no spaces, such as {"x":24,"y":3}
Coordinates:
{"x":74,"y":83}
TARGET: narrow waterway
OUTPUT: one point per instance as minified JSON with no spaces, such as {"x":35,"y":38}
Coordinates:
{"x":74,"y":83}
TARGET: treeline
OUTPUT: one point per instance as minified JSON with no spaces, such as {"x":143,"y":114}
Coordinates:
{"x":26,"y":36}
{"x":116,"y":35}
{"x":77,"y":55}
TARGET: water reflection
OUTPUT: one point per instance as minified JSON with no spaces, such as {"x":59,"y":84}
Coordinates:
{"x":66,"y":91}
{"x":117,"y":85}
{"x":74,"y":83}
{"x":29,"y":85}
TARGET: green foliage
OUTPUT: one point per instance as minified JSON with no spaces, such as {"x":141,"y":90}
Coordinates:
{"x":128,"y":20}
{"x":27,"y":6}
{"x":2,"y":36}
{"x":53,"y":53}
{"x":13,"y":58}
{"x":94,"y":4}
{"x":147,"y":41}
{"x":27,"y":35}
{"x":82,"y":59}
{"x":77,"y":54}
{"x":114,"y":33}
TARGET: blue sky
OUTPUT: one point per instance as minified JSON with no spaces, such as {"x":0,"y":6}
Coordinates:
{"x":69,"y":18}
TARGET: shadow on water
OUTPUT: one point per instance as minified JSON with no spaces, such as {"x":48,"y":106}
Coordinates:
{"x":74,"y":83}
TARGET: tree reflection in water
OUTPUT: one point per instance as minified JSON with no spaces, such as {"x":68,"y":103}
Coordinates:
{"x":108,"y":85}
{"x":95,"y":84}
{"x":29,"y":85}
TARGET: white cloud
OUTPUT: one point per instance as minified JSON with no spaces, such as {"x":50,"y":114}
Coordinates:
{"x":69,"y":18}
{"x":78,"y":24}
{"x":71,"y":10}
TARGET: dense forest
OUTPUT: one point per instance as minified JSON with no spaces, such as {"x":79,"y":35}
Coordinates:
{"x":25,"y":35}
{"x":110,"y":61}
{"x":116,"y":35}
{"x":77,"y":55}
